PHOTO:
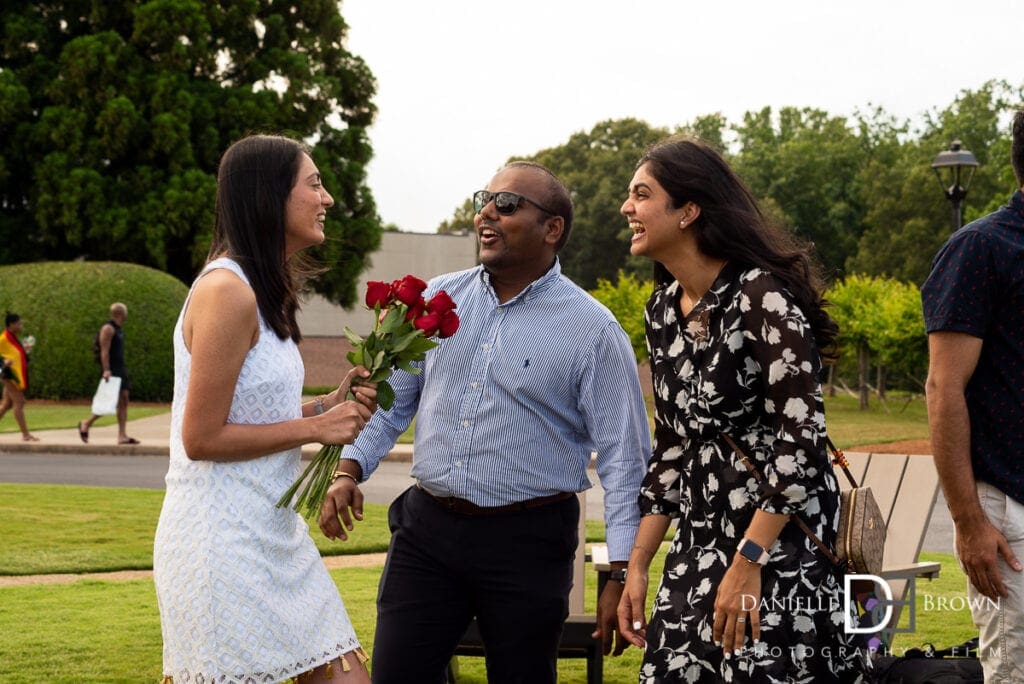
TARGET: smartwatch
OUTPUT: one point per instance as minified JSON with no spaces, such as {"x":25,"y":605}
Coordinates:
{"x":618,"y":575}
{"x":752,"y":551}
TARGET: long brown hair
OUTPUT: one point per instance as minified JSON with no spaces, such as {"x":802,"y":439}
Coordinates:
{"x":732,"y":227}
{"x":255,"y":177}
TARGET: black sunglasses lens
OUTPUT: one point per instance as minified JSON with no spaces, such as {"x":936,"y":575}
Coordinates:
{"x":506,"y":202}
{"x":480,"y":200}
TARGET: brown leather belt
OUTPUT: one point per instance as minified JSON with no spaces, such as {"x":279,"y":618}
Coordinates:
{"x":464,"y":507}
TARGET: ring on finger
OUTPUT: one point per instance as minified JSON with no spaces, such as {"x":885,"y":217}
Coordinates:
{"x":741,"y":619}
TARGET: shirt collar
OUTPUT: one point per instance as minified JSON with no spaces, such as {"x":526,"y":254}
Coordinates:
{"x":1017,"y":202}
{"x":531,"y":290}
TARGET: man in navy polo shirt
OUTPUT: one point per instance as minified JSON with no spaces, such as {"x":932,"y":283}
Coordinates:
{"x":974,"y":313}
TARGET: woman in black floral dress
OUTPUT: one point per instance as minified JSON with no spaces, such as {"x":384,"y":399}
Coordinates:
{"x":735,"y":331}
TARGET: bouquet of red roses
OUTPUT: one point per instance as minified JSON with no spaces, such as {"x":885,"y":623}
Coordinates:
{"x":402,"y":334}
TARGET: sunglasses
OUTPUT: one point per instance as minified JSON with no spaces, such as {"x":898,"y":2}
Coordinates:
{"x":505,"y":202}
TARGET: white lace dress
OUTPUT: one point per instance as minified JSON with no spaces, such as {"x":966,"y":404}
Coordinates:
{"x":244,"y":596}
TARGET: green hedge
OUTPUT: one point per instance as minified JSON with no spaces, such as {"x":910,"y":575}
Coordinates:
{"x":64,"y":304}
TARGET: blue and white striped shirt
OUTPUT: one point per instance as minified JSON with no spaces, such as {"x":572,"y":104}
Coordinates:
{"x":511,"y":407}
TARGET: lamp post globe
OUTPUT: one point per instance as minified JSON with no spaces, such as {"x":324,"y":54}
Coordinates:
{"x":955,"y":169}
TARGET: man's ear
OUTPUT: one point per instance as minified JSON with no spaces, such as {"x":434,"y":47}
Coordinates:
{"x":554,"y":227}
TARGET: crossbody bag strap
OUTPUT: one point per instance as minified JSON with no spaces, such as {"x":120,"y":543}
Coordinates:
{"x":839,"y":459}
{"x":797,"y":520}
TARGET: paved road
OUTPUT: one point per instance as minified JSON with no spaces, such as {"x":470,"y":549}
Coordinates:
{"x":123,"y":470}
{"x":147,"y":472}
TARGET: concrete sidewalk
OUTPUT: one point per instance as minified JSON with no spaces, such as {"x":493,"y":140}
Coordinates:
{"x":153,"y":434}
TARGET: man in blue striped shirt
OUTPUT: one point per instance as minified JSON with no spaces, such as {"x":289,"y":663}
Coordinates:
{"x":509,"y":409}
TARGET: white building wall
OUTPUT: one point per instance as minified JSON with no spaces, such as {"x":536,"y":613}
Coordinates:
{"x":424,"y":255}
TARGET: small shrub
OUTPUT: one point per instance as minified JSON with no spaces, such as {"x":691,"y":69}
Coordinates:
{"x":65,"y":303}
{"x":627,"y":299}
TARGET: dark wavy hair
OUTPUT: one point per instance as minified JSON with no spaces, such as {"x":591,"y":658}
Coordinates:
{"x":255,"y":177}
{"x":10,"y":318}
{"x":732,"y":227}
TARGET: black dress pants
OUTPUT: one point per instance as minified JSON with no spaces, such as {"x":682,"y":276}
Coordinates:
{"x":513,"y":571}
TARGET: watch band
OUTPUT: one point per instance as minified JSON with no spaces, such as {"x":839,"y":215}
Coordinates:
{"x":752,"y":551}
{"x":618,"y":575}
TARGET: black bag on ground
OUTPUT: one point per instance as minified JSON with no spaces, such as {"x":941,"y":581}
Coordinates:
{"x":955,"y":665}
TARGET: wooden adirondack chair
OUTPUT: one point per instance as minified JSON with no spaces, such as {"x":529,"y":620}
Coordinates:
{"x":576,"y":640}
{"x":905,"y":487}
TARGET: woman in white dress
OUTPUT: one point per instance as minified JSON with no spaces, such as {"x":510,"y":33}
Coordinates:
{"x":244,"y":596}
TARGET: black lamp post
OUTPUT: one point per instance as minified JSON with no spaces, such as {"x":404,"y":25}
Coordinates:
{"x":955,"y":169}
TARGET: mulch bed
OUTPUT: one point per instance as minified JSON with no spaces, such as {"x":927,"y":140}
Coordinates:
{"x":914,"y":446}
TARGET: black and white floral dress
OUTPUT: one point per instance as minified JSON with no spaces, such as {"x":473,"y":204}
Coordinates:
{"x":744,"y":362}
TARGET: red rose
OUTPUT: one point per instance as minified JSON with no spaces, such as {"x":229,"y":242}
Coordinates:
{"x":440,"y":303}
{"x":416,"y":310}
{"x":449,"y":324}
{"x":408,"y":290}
{"x":378,"y":293}
{"x":428,"y":323}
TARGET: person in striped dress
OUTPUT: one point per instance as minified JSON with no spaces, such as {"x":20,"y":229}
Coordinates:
{"x":509,"y":410}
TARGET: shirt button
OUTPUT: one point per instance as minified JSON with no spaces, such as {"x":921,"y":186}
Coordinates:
{"x":473,"y":385}
{"x":485,"y":346}
{"x":465,"y":423}
{"x":458,"y":464}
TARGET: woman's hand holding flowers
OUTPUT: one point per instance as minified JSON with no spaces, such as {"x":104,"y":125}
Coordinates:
{"x":404,"y":324}
{"x":343,"y":419}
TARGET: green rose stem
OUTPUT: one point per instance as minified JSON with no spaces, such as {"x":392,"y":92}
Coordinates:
{"x":394,"y":342}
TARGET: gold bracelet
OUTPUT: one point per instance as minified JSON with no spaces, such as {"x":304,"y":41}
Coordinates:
{"x":338,"y":474}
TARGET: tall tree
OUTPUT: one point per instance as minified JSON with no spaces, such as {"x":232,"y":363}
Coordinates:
{"x":597,"y":167}
{"x":114,"y":115}
{"x":908,"y":219}
{"x":803,"y":165}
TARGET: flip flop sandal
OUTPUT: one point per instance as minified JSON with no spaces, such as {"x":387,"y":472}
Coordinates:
{"x":130,"y":440}
{"x":84,"y":434}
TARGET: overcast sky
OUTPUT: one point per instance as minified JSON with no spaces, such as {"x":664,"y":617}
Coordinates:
{"x":463,"y":85}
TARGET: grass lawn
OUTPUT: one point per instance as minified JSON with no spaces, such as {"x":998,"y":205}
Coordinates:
{"x":941,"y":615}
{"x":103,"y":631}
{"x":49,"y":415}
{"x":103,"y":529}
{"x":899,"y":419}
{"x":93,"y":631}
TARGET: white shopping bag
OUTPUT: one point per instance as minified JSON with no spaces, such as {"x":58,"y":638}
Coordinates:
{"x":104,"y":403}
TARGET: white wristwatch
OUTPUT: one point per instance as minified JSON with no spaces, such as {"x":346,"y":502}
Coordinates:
{"x":752,"y":551}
